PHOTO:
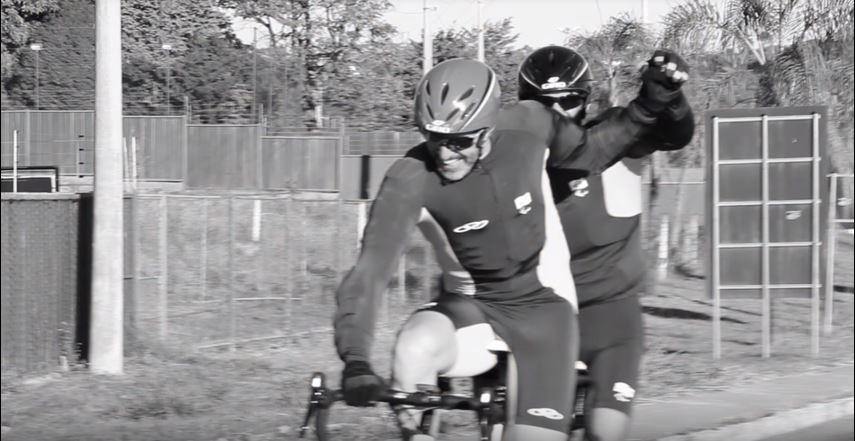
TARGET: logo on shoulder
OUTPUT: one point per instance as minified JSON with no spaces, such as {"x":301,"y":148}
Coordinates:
{"x":477,"y":225}
{"x":523,"y":203}
{"x":546,"y":412}
{"x":623,"y":392}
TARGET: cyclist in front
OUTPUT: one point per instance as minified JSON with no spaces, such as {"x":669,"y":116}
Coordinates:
{"x":478,"y":190}
{"x":600,"y":213}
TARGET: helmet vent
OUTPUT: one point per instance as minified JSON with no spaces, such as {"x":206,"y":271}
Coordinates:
{"x":451,"y":115}
{"x":468,"y":111}
{"x":444,"y":93}
{"x":466,"y":94}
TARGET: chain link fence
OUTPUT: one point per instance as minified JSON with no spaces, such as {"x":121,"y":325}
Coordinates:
{"x":219,"y":272}
{"x":225,"y":272}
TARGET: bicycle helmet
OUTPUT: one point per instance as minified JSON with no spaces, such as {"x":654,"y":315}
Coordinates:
{"x":554,"y":70}
{"x":457,"y":96}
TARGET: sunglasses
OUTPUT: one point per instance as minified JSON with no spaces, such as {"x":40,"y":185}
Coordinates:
{"x":453,"y":142}
{"x":565,"y":102}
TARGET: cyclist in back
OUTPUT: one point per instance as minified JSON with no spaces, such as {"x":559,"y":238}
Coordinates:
{"x":600,"y":213}
{"x":478,"y":190}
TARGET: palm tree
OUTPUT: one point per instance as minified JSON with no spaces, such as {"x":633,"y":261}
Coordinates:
{"x":615,"y":52}
{"x":800,"y":51}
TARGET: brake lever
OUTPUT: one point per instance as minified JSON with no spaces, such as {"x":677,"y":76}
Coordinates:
{"x":319,"y":400}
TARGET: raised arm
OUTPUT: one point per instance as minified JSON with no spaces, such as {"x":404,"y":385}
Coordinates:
{"x":673,"y":131}
{"x":658,"y":118}
{"x":593,"y":148}
{"x":393,"y":216}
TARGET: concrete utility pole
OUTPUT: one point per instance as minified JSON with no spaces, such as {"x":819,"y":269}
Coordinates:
{"x":427,"y":41}
{"x":480,"y":35}
{"x":106,"y":331}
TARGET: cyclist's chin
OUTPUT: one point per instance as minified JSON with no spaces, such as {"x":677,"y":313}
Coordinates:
{"x":456,"y":171}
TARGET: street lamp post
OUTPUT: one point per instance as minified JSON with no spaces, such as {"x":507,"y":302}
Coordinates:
{"x":37,"y":47}
{"x":168,"y":47}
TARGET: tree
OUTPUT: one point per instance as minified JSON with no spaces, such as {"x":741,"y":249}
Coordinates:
{"x":214,"y":76}
{"x":501,"y":55}
{"x":17,"y":17}
{"x":67,"y":59}
{"x":156,"y":36}
{"x":319,"y":35}
{"x":499,"y":51}
{"x":615,"y":53}
{"x":800,"y":52}
{"x":375,"y":93}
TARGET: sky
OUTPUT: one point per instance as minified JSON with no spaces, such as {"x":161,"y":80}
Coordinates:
{"x":538,"y":22}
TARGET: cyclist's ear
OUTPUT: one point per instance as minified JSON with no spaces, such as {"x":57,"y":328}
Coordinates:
{"x":484,"y":136}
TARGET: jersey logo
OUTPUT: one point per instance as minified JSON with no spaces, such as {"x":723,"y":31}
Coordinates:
{"x":523,"y":203}
{"x":623,"y":392}
{"x":579,"y":187}
{"x":477,"y":225}
{"x":546,"y":412}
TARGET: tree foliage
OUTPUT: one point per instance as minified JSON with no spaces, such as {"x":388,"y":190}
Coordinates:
{"x":615,"y":53}
{"x":319,"y":38}
{"x":66,"y":61}
{"x":798,"y":53}
{"x":17,"y":18}
{"x":340,"y":58}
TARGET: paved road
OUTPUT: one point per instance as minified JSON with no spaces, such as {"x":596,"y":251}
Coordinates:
{"x":835,"y":430}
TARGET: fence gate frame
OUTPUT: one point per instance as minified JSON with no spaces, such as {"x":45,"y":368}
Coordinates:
{"x":817,"y":115}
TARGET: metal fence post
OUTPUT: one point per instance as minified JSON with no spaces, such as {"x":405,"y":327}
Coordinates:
{"x":256,"y":236}
{"x":163,"y":300}
{"x":135,"y":249}
{"x":662,"y":256}
{"x":831,"y":237}
{"x":203,"y":270}
{"x":816,"y":239}
{"x":28,"y":137}
{"x":289,"y":266}
{"x":339,"y":241}
{"x":230,"y":283}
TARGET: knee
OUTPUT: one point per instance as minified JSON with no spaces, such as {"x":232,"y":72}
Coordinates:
{"x":416,"y":345}
{"x":426,"y":342}
{"x":604,"y":424}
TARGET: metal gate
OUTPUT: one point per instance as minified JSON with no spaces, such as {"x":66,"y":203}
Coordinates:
{"x":766,"y":173}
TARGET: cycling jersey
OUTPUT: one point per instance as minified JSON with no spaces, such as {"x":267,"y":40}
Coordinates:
{"x":600,"y":212}
{"x":490,"y":229}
